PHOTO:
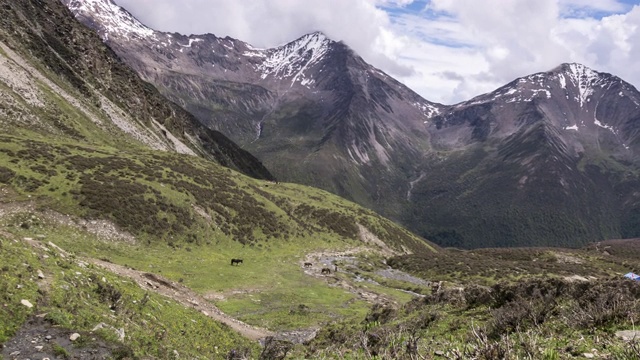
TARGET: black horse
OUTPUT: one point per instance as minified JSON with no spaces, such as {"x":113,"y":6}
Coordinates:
{"x":236,"y":261}
{"x":308,"y":264}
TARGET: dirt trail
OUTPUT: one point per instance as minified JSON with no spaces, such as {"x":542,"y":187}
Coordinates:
{"x":184,"y":296}
{"x":170,"y":289}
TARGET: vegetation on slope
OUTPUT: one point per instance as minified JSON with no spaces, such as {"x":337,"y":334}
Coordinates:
{"x":77,"y":296}
{"x":481,"y":197}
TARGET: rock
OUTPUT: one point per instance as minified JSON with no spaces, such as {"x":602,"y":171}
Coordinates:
{"x":176,"y":354}
{"x":26,"y":303}
{"x":120,"y":333}
{"x":588,"y":355}
{"x":628,"y":335}
{"x":439,"y":353}
{"x":40,"y":274}
{"x":99,"y":326}
{"x":15,"y":353}
{"x":74,"y":337}
{"x":48,"y":337}
{"x":39,"y":347}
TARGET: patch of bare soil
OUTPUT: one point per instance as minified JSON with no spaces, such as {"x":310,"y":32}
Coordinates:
{"x":567,"y":258}
{"x":37,"y":339}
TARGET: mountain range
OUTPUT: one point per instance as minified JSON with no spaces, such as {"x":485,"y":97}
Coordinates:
{"x":548,"y":159}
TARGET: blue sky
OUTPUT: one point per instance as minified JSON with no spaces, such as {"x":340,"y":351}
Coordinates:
{"x":446,"y":50}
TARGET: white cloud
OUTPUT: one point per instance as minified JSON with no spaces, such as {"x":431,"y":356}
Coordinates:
{"x":446,"y":50}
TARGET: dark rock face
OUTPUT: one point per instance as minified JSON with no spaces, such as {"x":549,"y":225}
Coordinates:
{"x":548,"y":159}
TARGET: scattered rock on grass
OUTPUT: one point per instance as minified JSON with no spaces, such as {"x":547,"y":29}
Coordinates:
{"x":74,"y":337}
{"x":628,"y":335}
{"x":26,"y":303}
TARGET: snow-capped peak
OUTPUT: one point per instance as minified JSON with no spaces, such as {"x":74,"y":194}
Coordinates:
{"x":114,"y":19}
{"x":291,"y":60}
{"x":582,"y":77}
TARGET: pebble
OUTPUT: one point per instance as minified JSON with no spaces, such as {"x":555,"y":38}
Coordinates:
{"x":74,"y":336}
{"x":439,"y":353}
{"x":39,"y":348}
{"x":588,"y":355}
{"x":40,"y":274}
{"x":48,"y":337}
{"x":26,"y":303}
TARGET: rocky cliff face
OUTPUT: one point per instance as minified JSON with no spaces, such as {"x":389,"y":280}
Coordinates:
{"x":548,"y":159}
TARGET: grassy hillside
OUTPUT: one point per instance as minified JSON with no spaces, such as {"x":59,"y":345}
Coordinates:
{"x":527,"y":303}
{"x":185,"y":217}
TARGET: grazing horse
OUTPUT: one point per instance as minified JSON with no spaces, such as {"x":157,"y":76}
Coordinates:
{"x":236,"y":261}
{"x":308,"y":264}
{"x":325,"y":271}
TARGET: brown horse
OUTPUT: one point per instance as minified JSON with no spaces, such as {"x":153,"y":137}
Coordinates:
{"x":308,"y":264}
{"x":325,"y":271}
{"x":236,"y":261}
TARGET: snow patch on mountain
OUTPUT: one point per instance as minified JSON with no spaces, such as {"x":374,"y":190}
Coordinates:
{"x":584,"y":79}
{"x":291,"y":60}
{"x":116,"y":20}
{"x":191,"y":41}
{"x":427,"y":110}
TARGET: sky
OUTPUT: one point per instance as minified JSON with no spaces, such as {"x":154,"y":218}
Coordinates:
{"x":446,"y":50}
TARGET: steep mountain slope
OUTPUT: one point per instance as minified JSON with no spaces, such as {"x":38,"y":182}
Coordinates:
{"x":312,"y":109}
{"x":98,"y":87}
{"x":551,"y":158}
